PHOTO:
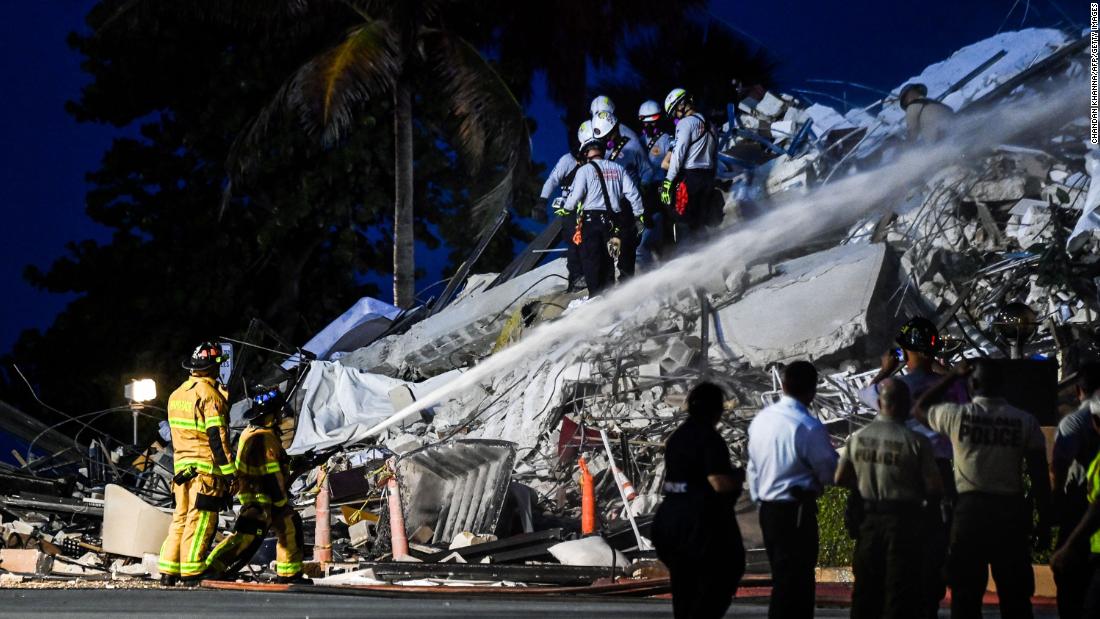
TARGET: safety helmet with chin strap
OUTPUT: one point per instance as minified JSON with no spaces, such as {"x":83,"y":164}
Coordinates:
{"x":603,"y":124}
{"x":265,"y":400}
{"x":649,"y":112}
{"x":587,"y":138}
{"x":602,"y":103}
{"x":676,"y":97}
{"x":206,"y":356}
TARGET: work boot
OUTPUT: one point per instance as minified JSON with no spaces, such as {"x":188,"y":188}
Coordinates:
{"x":190,"y":581}
{"x":169,"y":580}
{"x":296,"y":579}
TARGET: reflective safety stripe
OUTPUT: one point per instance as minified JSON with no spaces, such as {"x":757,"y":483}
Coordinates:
{"x":288,"y":569}
{"x":1092,"y":479}
{"x":258,"y":470}
{"x":254,"y":497}
{"x":227,"y":469}
{"x":197,"y":542}
{"x":168,"y":567}
{"x":198,"y":465}
{"x":187,"y":424}
{"x":192,"y":568}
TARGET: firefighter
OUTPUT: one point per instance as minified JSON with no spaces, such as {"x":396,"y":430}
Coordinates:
{"x":689,"y":182}
{"x":199,"y":419}
{"x":263,"y":474}
{"x":599,"y":189}
{"x":629,"y":154}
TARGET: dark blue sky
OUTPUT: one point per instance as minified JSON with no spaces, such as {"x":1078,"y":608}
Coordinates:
{"x":44,"y":154}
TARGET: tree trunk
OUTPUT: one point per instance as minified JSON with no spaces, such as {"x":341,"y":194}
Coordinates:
{"x":404,"y":265}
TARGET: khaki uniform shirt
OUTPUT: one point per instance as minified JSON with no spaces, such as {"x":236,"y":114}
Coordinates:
{"x":891,"y":461}
{"x":989,"y":437}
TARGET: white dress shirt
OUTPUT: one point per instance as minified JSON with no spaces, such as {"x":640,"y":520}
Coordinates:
{"x":788,"y":449}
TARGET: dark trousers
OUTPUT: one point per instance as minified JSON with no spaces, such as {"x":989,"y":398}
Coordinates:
{"x":990,"y":532}
{"x":599,"y":272}
{"x":933,"y":557}
{"x":1092,"y":592}
{"x":790,"y":539}
{"x":699,"y":185}
{"x":887,"y":566}
{"x":572,"y":250}
{"x":628,"y":236}
{"x":1073,"y":583}
{"x":702,"y":588}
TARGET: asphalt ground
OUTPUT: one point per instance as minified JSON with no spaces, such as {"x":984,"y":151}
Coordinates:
{"x":204,"y":603}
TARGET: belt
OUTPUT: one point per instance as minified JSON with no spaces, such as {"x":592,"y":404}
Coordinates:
{"x":896,"y":508}
{"x":601,"y":213}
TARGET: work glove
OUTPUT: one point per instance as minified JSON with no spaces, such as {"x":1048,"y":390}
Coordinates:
{"x":539,"y":210}
{"x":666,"y":192}
{"x":559,"y":207}
{"x":639,"y":225}
{"x":614,"y":247}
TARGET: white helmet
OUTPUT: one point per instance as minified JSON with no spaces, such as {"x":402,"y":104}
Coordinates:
{"x":601,"y":103}
{"x":603,"y":124}
{"x":649,"y":112}
{"x":586,"y":137}
{"x":674,"y":98}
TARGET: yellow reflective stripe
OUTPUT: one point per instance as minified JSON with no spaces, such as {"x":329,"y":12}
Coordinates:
{"x":253,"y":497}
{"x":1092,"y":481}
{"x":168,"y":566}
{"x":288,"y":569}
{"x":227,"y":469}
{"x":272,"y":467}
{"x":258,"y":469}
{"x":192,"y":568}
{"x":214,"y":422}
{"x":183,"y":423}
{"x":198,"y":465}
{"x":196,"y":543}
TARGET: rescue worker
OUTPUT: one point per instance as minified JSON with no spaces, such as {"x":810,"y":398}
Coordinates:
{"x":689,"y":181}
{"x":992,"y":440}
{"x":695,"y":530}
{"x":598,"y":190}
{"x":203,"y":465}
{"x":1081,"y":549}
{"x":791,"y":459}
{"x":603,"y":103}
{"x":894,"y":472}
{"x":1076,"y":445}
{"x":560,"y":179}
{"x":918,"y":340}
{"x":629,"y":154}
{"x":926,"y":120}
{"x":656,"y":144}
{"x":263,"y":474}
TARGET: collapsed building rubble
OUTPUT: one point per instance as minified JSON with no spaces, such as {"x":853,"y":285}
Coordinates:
{"x":483,"y":485}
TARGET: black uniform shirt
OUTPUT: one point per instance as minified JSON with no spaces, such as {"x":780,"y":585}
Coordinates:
{"x":693,"y":452}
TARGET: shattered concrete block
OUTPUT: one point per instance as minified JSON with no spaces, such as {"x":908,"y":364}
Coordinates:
{"x":359,"y":533}
{"x":25,"y":561}
{"x":771,"y":106}
{"x":132,"y":527}
{"x":1005,"y":189}
{"x":465,"y":539}
{"x":677,"y":355}
{"x":818,"y":305}
{"x":649,"y":370}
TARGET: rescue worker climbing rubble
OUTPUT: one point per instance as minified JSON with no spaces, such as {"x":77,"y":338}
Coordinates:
{"x":656,"y":142}
{"x":627,"y":153}
{"x":263,"y":473}
{"x":598,"y":190}
{"x":203,"y":464}
{"x":689,"y":181}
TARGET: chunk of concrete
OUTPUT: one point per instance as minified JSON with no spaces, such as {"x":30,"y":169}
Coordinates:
{"x":26,"y":561}
{"x":591,"y":551}
{"x":132,"y":527}
{"x":818,"y":305}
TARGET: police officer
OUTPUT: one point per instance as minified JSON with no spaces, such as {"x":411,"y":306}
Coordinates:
{"x":1081,"y":549}
{"x":203,"y":463}
{"x":894,"y":472}
{"x":992,"y":440}
{"x":263,"y":472}
{"x":919,"y":340}
{"x":791,"y":459}
{"x":689,"y":180}
{"x":1076,"y":444}
{"x":628,"y":153}
{"x":560,"y":179}
{"x":598,"y":190}
{"x":695,"y":531}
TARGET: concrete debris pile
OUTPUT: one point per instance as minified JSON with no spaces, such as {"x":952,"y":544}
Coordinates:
{"x":586,"y":418}
{"x":548,"y":470}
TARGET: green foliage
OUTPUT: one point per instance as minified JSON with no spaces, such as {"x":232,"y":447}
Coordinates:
{"x":835,"y":548}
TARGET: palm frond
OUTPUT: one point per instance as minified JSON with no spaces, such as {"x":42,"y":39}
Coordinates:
{"x":490,"y":126}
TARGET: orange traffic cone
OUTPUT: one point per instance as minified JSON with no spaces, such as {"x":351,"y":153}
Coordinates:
{"x":588,"y":500}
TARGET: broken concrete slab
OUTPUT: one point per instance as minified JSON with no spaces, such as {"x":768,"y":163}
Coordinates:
{"x":26,"y":561}
{"x":132,"y":527}
{"x":819,"y":305}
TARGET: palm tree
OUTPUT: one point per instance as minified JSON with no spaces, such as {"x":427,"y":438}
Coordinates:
{"x":393,"y":47}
